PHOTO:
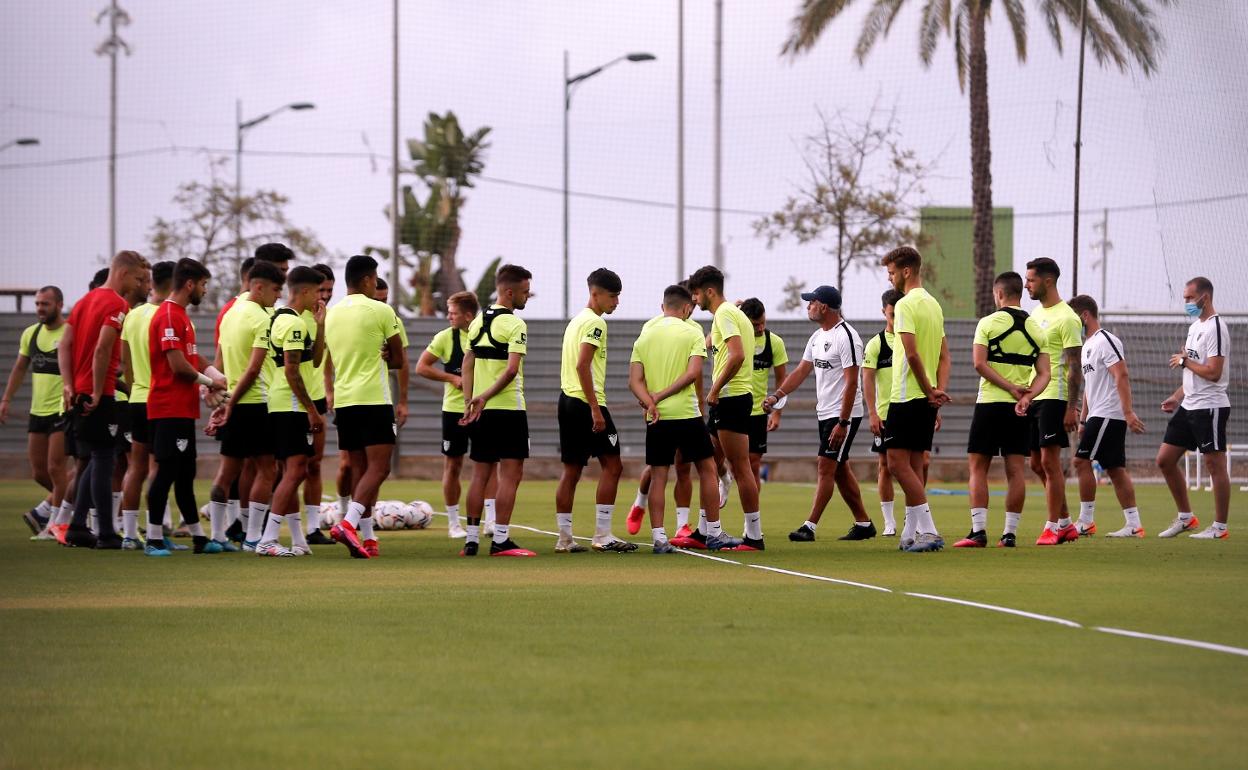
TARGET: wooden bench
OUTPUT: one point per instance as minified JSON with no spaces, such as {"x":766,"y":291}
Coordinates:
{"x":17,"y":295}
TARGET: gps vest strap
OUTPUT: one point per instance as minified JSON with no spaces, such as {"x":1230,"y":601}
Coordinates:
{"x":41,"y":361}
{"x":763,"y":360}
{"x":279,"y":355}
{"x":495,"y":351}
{"x":998,"y":356}
{"x":885,"y":358}
{"x":455,"y":364}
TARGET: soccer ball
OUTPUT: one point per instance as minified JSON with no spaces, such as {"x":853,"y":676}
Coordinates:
{"x":331,"y":514}
{"x":388,"y":515}
{"x":417,"y":514}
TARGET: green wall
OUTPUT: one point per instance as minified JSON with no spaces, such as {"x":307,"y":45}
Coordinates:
{"x":947,"y":236}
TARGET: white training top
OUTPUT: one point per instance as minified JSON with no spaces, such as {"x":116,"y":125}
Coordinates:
{"x":1101,"y":351}
{"x":1206,"y":339}
{"x":831,"y":352}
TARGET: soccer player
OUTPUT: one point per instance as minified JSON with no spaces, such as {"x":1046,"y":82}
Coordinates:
{"x":247,"y":435}
{"x":665,"y":363}
{"x":367,"y":414}
{"x":915,"y":401}
{"x":1106,"y":415}
{"x":769,"y":355}
{"x":45,"y":430}
{"x":293,"y":417}
{"x":1012,"y":372}
{"x":731,"y":393}
{"x":494,"y":376}
{"x":177,"y":372}
{"x":313,"y":485}
{"x":877,"y":386}
{"x":1201,"y":409}
{"x":1055,"y":411}
{"x":235,"y":511}
{"x":89,"y":357}
{"x":834,"y":354}
{"x":585,"y":426}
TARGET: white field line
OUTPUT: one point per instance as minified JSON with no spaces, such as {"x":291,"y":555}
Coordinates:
{"x":1211,"y":646}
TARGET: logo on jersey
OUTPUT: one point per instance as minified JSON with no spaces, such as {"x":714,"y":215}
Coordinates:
{"x":524,"y":338}
{"x":596,"y":334}
{"x":826,"y":346}
{"x":296,"y":334}
{"x":1193,"y":355}
{"x":182,"y":444}
{"x":1088,"y":368}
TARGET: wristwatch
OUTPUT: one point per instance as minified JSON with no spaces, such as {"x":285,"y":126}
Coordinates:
{"x":843,"y":423}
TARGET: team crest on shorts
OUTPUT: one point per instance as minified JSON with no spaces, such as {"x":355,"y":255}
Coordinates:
{"x":394,"y":426}
{"x":112,"y":430}
{"x":182,"y":444}
{"x":128,"y":435}
{"x":613,"y":438}
{"x":446,"y":446}
{"x":309,"y":437}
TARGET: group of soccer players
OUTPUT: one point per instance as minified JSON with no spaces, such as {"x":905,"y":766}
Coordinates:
{"x":118,"y":386}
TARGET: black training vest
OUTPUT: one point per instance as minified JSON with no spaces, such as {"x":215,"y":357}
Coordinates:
{"x":998,"y":356}
{"x":42,"y":361}
{"x":279,"y":355}
{"x":455,"y":364}
{"x":885,"y":358}
{"x":763,"y":360}
{"x":495,"y":351}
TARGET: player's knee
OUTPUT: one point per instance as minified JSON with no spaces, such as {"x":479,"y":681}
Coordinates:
{"x":217,"y":493}
{"x":313,"y":469}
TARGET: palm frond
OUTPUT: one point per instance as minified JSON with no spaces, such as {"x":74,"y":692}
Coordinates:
{"x":1017,"y":16}
{"x":809,"y":23}
{"x":878,"y":22}
{"x":1048,"y":9}
{"x":961,"y":38}
{"x":1135,"y":33}
{"x":935,"y":18}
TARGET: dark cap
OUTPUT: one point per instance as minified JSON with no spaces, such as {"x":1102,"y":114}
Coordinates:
{"x":828,"y":295}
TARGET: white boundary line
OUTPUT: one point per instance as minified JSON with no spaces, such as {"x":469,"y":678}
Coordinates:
{"x":1211,"y":646}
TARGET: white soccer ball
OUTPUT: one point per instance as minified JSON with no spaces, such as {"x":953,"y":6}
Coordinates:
{"x":418,"y":514}
{"x":388,"y":515}
{"x":331,"y":514}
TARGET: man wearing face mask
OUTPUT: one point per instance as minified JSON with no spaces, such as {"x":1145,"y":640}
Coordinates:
{"x":1201,"y":409}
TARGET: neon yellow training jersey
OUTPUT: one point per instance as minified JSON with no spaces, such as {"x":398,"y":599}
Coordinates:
{"x":40,"y":345}
{"x":916,"y":313}
{"x":315,"y":380}
{"x":993,"y":326}
{"x":1060,"y":329}
{"x":356,"y":329}
{"x":586,"y":328}
{"x":134,"y":333}
{"x":730,"y":322}
{"x":491,"y":347}
{"x":663,"y":350}
{"x":449,"y":347}
{"x":243,"y":329}
{"x":878,"y":357}
{"x":289,"y":333}
{"x":763,"y":362}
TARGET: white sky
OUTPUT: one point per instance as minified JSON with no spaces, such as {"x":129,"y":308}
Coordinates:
{"x":1179,"y":136}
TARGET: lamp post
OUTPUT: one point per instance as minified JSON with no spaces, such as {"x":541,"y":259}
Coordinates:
{"x":569,"y":82}
{"x":241,"y":127}
{"x":25,"y":141}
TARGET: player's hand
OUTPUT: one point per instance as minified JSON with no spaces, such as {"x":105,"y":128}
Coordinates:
{"x":1177,"y":360}
{"x":939,"y":420}
{"x":316,"y":423}
{"x":1071,"y":420}
{"x":457,"y":382}
{"x":89,"y":404}
{"x":600,"y":422}
{"x":4,"y":411}
{"x":712,"y":398}
{"x":472,"y":410}
{"x":938,"y":398}
{"x":385,"y":354}
{"x":652,"y":412}
{"x":329,"y":401}
{"x":769,"y":403}
{"x":1169,"y":405}
{"x":1024,"y":404}
{"x":837,"y":437}
{"x":219,"y":383}
{"x":1134,"y":422}
{"x":876,"y":424}
{"x":67,"y":397}
{"x":318,"y":313}
{"x":400,"y":414}
{"x":773,"y":421}
{"x":1018,"y":391}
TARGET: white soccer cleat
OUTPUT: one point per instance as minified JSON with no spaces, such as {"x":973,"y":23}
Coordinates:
{"x":569,"y":545}
{"x":300,"y":550}
{"x":725,"y":484}
{"x":487,"y":529}
{"x":1178,"y":526}
{"x":890,"y":532}
{"x":1212,"y":534}
{"x":1127,"y":531}
{"x":273,"y":548}
{"x":456,"y":532}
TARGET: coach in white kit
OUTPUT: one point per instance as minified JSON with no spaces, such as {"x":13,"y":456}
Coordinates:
{"x":1201,"y":409}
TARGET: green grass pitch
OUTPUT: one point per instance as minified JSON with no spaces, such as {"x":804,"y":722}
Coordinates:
{"x":422,"y":659}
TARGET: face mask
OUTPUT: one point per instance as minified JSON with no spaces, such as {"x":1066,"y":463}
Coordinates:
{"x":1191,"y":309}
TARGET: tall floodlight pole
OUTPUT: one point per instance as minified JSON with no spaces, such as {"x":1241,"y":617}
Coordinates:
{"x":1083,"y":35}
{"x":718,"y":246}
{"x":241,"y":127}
{"x":680,"y":141}
{"x":112,"y":46}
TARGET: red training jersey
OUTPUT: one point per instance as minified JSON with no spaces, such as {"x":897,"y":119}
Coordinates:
{"x":99,"y":308}
{"x":216,"y":330}
{"x":170,"y":395}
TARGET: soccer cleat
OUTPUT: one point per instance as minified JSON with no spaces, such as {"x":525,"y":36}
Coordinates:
{"x":1127,"y":531}
{"x":977,"y":539}
{"x":1179,"y":526}
{"x":633,"y":521}
{"x":1212,"y":534}
{"x":300,"y":550}
{"x":695,"y":540}
{"x":344,"y":533}
{"x":569,"y":545}
{"x":470,"y":548}
{"x":904,"y":544}
{"x":236,"y":532}
{"x":1008,"y":540}
{"x":204,"y":545}
{"x":926,"y":542}
{"x":1068,"y":534}
{"x":1087,"y":531}
{"x":664,"y":547}
{"x":725,"y":484}
{"x":273,"y":548}
{"x":509,"y":548}
{"x":889,"y":531}
{"x":802,"y":534}
{"x":34,"y":521}
{"x":112,"y":543}
{"x":172,"y":546}
{"x":46,"y":534}
{"x":454,"y":532}
{"x":722,"y":542}
{"x":317,"y":537}
{"x":249,"y":546}
{"x":684,"y":531}
{"x":60,"y":531}
{"x":152,"y":549}
{"x":859,"y":533}
{"x":131,"y":544}
{"x":78,"y":537}
{"x":749,"y":544}
{"x":614,"y":545}
{"x":370,"y":548}
{"x":487,"y":529}
{"x":1048,"y":537}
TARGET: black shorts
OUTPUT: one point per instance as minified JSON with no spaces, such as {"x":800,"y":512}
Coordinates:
{"x":996,"y":429}
{"x":454,"y":435}
{"x":732,"y":413}
{"x":877,"y":442}
{"x":667,"y":437}
{"x":758,"y":434}
{"x":123,"y":428}
{"x":1047,"y":428}
{"x":247,"y":432}
{"x":140,"y":432}
{"x":1198,"y":430}
{"x":322,"y":406}
{"x":500,"y":434}
{"x":97,"y":430}
{"x":364,"y":426}
{"x":172,"y":438}
{"x":911,"y":425}
{"x":46,"y":423}
{"x":1104,"y":439}
{"x":840,"y":453}
{"x":577,"y":440}
{"x":292,"y":436}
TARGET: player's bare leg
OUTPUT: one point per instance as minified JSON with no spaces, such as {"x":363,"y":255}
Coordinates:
{"x":884,"y":486}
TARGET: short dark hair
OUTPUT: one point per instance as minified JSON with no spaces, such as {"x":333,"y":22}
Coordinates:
{"x":511,"y":275}
{"x":162,"y":274}
{"x":676,"y":296}
{"x":99,"y":279}
{"x":303,"y":275}
{"x":753,"y":308}
{"x":360,"y":267}
{"x":56,"y":292}
{"x":1202,"y":284}
{"x":1045,"y":268}
{"x":1081,"y":303}
{"x":465,"y":301}
{"x":274,"y":252}
{"x":1011,"y":283}
{"x":890,"y":298}
{"x":244,"y":270}
{"x":606,"y":280}
{"x":265,"y":271}
{"x":708,"y":277}
{"x":185,"y":270}
{"x":382,"y":285}
{"x":325,"y":270}
{"x":903,"y":257}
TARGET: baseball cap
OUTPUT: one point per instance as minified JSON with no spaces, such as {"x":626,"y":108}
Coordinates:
{"x":828,"y":295}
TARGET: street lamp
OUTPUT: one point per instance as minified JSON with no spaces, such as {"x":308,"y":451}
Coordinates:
{"x":26,"y":141}
{"x":569,"y":81}
{"x":240,"y":127}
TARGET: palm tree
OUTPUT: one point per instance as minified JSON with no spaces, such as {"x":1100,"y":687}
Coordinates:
{"x":1118,"y":31}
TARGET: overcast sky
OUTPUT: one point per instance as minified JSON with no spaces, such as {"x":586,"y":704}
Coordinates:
{"x":1177,"y":137}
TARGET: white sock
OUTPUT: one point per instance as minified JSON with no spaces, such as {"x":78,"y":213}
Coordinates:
{"x":639,"y":501}
{"x":366,"y":528}
{"x":1185,"y":515}
{"x":979,"y":519}
{"x":1051,"y":525}
{"x":564,"y":520}
{"x":272,"y":528}
{"x":155,"y":534}
{"x":297,"y":535}
{"x":218,"y":516}
{"x":474,"y":533}
{"x":1011,"y":522}
{"x":1132,"y":515}
{"x":116,"y":510}
{"x":911,"y":523}
{"x":1063,"y":522}
{"x":490,"y":516}
{"x":886,"y":508}
{"x":754,"y":525}
{"x":167,"y":521}
{"x":602,"y":520}
{"x":311,"y":520}
{"x":658,"y":534}
{"x":130,"y":524}
{"x":452,"y":515}
{"x":344,"y":502}
{"x":682,"y":517}
{"x":196,"y":529}
{"x":65,"y":513}
{"x":354,"y":512}
{"x":714,"y":528}
{"x":44,"y":508}
{"x":813,"y":525}
{"x":866,"y":523}
{"x":701,"y":521}
{"x":255,"y":520}
{"x":233,"y":512}
{"x":1218,"y":526}
{"x":1087,"y":512}
{"x":93,"y":522}
{"x":926,"y":524}
{"x":501,"y":532}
